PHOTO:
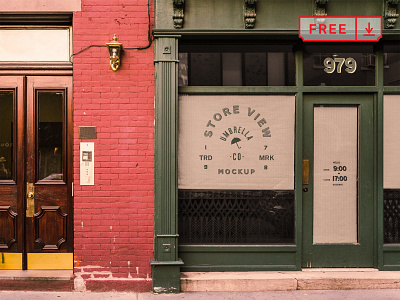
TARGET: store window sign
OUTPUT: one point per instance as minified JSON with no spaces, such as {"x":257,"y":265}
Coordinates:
{"x":340,"y":29}
{"x":236,"y":142}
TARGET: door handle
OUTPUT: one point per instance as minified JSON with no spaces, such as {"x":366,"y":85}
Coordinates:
{"x":30,"y":200}
{"x":306,"y":171}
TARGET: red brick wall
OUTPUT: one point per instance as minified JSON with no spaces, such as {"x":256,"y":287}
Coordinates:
{"x":113,"y":219}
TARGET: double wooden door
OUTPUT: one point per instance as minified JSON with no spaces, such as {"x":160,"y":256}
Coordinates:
{"x":36,"y":228}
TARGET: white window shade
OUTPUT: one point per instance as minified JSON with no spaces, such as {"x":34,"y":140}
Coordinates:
{"x":35,"y":44}
{"x":335,"y":174}
{"x":40,"y":5}
{"x":236,"y":142}
{"x":391,"y":142}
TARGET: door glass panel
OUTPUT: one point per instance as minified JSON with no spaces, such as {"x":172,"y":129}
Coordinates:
{"x":6,"y":135}
{"x":50,"y":135}
{"x":335,"y":211}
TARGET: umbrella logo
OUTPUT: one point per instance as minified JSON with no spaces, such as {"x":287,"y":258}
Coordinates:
{"x":236,"y":141}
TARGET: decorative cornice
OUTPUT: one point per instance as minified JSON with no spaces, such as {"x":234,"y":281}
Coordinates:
{"x":320,"y":8}
{"x":391,"y":14}
{"x":179,"y":9}
{"x":249,"y":13}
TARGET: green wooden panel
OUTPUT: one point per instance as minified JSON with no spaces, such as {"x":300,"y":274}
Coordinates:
{"x":166,"y":263}
{"x":232,"y":259}
{"x":343,"y":255}
{"x":379,"y":156}
{"x":166,"y":279}
{"x":282,"y":90}
{"x":391,"y":259}
{"x":271,"y":15}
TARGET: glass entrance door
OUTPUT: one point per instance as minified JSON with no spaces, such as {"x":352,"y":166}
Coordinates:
{"x":338,"y":194}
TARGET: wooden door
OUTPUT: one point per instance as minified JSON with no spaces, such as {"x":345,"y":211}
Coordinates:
{"x":38,"y":206}
{"x":11,"y":176}
{"x":338,"y":199}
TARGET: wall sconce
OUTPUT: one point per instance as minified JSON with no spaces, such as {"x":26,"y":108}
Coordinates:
{"x":114,"y":50}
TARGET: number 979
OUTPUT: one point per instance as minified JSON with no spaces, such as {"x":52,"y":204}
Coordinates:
{"x":337,"y":63}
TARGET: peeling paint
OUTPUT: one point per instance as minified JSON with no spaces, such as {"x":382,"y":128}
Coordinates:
{"x":129,"y":273}
{"x":79,"y":283}
{"x":77,"y":262}
{"x":159,"y":290}
{"x":100,"y":274}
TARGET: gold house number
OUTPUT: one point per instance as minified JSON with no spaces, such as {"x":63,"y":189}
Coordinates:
{"x":337,"y":63}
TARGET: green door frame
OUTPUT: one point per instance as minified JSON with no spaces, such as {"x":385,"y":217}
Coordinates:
{"x":167,"y":264}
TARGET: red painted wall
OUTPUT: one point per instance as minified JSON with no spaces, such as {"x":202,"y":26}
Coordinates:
{"x":113,"y":219}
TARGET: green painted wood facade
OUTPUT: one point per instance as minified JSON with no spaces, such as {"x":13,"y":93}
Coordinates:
{"x":276,"y":22}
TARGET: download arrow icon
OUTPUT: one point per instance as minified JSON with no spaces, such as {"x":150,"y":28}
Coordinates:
{"x":369,"y":29}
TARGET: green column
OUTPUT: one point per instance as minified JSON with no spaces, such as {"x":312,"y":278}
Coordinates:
{"x":166,"y":264}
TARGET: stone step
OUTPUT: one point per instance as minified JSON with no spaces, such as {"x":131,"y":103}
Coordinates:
{"x":310,"y":279}
{"x":36,"y":280}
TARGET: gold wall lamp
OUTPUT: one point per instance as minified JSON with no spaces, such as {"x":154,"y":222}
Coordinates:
{"x":114,"y":50}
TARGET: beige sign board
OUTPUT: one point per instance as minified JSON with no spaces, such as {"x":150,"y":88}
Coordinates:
{"x":40,"y":5}
{"x":335,"y":174}
{"x":236,"y":142}
{"x":391,"y":142}
{"x":35,"y":45}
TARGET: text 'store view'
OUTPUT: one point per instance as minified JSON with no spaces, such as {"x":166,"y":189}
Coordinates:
{"x":144,"y":139}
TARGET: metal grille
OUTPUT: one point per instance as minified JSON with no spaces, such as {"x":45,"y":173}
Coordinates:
{"x":391,"y":216}
{"x":87,"y":132}
{"x":236,"y":217}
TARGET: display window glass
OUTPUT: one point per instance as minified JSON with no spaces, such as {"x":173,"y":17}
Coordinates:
{"x":236,"y":169}
{"x":391,"y":167}
{"x":236,"y":65}
{"x":391,"y":71}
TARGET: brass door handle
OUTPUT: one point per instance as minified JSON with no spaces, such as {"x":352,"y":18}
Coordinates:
{"x":30,"y":200}
{"x":306,"y":171}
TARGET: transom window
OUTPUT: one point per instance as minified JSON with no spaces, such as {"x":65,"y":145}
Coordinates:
{"x":339,"y":65}
{"x":236,"y":65}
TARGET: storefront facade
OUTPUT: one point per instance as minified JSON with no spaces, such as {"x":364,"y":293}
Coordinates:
{"x":273,"y":153}
{"x":268,"y":152}
{"x":76,"y":145}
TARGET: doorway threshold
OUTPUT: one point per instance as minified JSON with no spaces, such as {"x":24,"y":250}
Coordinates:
{"x":36,"y":274}
{"x":307,"y":279}
{"x":339,"y":270}
{"x":36,"y":280}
